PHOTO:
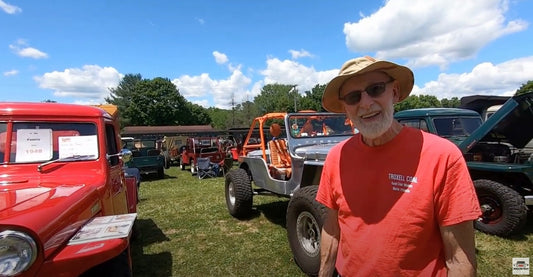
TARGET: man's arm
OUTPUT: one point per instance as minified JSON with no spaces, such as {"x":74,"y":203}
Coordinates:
{"x":329,"y":242}
{"x":459,"y":249}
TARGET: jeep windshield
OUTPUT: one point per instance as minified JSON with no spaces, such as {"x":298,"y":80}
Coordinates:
{"x":41,"y":142}
{"x":319,"y":125}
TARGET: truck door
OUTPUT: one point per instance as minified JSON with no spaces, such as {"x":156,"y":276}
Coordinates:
{"x":115,"y":178}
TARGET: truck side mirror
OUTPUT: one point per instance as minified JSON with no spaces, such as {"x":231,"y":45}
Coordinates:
{"x":126,"y":155}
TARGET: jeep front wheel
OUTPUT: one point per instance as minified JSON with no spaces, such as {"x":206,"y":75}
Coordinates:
{"x":305,"y":217}
{"x":503,"y":209}
{"x":239,"y":194}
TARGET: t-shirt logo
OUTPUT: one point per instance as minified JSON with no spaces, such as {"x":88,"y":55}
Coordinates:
{"x":402,"y":183}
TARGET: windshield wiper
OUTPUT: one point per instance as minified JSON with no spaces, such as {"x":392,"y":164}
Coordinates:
{"x":66,"y":159}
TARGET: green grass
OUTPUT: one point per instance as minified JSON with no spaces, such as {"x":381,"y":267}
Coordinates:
{"x":184,"y":229}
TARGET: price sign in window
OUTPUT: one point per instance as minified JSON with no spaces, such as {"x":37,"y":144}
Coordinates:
{"x":34,"y":145}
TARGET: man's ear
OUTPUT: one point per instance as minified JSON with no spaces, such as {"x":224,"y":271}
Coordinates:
{"x":396,"y":92}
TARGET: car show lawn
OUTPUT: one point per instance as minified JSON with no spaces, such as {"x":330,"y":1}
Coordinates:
{"x":183,"y":228}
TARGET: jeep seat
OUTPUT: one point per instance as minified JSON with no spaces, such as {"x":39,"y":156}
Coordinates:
{"x":280,"y":159}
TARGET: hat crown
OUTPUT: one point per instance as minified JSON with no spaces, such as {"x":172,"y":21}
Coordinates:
{"x":355,"y":65}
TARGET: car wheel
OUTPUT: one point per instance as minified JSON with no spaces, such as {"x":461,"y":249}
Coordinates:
{"x":193,"y":168}
{"x":503,"y":209}
{"x":182,"y":165}
{"x":239,"y":194}
{"x":160,"y":173}
{"x":305,"y":218}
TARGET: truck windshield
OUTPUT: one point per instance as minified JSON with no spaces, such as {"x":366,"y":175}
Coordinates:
{"x":456,"y":126}
{"x":33,"y":142}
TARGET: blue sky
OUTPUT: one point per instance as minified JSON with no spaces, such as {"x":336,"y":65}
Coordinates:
{"x":73,"y":51}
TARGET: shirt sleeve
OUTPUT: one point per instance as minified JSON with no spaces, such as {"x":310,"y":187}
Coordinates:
{"x":455,"y":198}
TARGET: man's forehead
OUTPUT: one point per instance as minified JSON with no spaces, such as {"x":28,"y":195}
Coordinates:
{"x":365,"y":78}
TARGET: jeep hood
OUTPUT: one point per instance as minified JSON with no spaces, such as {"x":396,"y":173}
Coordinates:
{"x":510,"y":124}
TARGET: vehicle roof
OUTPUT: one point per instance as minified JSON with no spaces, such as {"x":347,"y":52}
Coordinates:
{"x":49,"y":109}
{"x":435,"y":112}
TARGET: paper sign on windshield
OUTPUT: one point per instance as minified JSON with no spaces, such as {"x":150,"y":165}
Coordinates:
{"x":77,"y":145}
{"x":34,"y":145}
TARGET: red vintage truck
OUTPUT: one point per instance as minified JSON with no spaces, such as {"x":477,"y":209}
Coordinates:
{"x":61,"y":170}
{"x":196,"y":147}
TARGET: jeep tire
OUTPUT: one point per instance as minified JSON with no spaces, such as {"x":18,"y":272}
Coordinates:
{"x":239,"y":194}
{"x":504,"y":210}
{"x":305,"y":218}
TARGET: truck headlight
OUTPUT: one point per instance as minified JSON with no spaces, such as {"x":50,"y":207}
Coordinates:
{"x":18,"y":251}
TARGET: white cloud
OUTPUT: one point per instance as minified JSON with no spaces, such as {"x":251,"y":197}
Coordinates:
{"x":10,"y":9}
{"x":485,"y":78}
{"x":197,"y":88}
{"x":292,"y":73}
{"x":90,"y":82}
{"x":295,"y":54}
{"x":22,"y":49}
{"x":220,"y":58}
{"x":419,"y":30}
{"x":11,"y":72}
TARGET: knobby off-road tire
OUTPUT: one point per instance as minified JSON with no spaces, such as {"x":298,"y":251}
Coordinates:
{"x":305,"y":218}
{"x":239,"y":193}
{"x":504,"y":210}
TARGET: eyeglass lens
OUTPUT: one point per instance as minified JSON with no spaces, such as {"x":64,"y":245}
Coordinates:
{"x":374,"y":90}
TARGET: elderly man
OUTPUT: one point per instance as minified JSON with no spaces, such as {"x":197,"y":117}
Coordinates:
{"x":400,"y":202}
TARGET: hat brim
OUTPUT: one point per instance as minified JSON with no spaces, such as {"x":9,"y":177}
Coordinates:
{"x":404,"y":75}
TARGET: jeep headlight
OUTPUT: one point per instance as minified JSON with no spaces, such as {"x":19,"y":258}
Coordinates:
{"x":18,"y":251}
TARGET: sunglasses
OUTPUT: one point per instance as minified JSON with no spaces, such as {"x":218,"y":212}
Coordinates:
{"x":373,"y":90}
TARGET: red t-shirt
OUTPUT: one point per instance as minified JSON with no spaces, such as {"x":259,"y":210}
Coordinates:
{"x":391,"y":200}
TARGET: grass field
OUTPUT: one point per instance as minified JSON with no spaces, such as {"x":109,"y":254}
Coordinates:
{"x":184,"y":229}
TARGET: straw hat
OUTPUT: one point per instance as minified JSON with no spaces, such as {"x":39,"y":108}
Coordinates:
{"x":357,"y":66}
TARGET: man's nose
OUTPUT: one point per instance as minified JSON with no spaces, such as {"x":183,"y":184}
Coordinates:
{"x":366,"y":100}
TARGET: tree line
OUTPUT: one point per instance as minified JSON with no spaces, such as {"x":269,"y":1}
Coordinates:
{"x":158,"y":102}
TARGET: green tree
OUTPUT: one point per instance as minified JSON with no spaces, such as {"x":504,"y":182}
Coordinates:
{"x":527,"y":87}
{"x":454,"y":102}
{"x":194,"y":114}
{"x":277,"y":98}
{"x":418,"y":101}
{"x":312,"y":100}
{"x":121,"y":96}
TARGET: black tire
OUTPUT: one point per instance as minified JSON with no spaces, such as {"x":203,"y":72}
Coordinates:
{"x":239,"y":193}
{"x":504,"y":209}
{"x":305,"y":218}
{"x":161,"y":173}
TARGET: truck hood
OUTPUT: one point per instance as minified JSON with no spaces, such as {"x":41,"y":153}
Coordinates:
{"x":510,"y":124}
{"x":47,"y":209}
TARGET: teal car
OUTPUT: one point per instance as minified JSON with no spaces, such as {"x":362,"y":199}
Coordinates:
{"x":496,"y":152}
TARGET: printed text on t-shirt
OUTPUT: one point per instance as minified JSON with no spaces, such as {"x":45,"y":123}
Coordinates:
{"x":401,"y":182}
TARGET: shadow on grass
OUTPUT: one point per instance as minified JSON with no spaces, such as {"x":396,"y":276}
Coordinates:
{"x":146,"y":232}
{"x":275,"y":211}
